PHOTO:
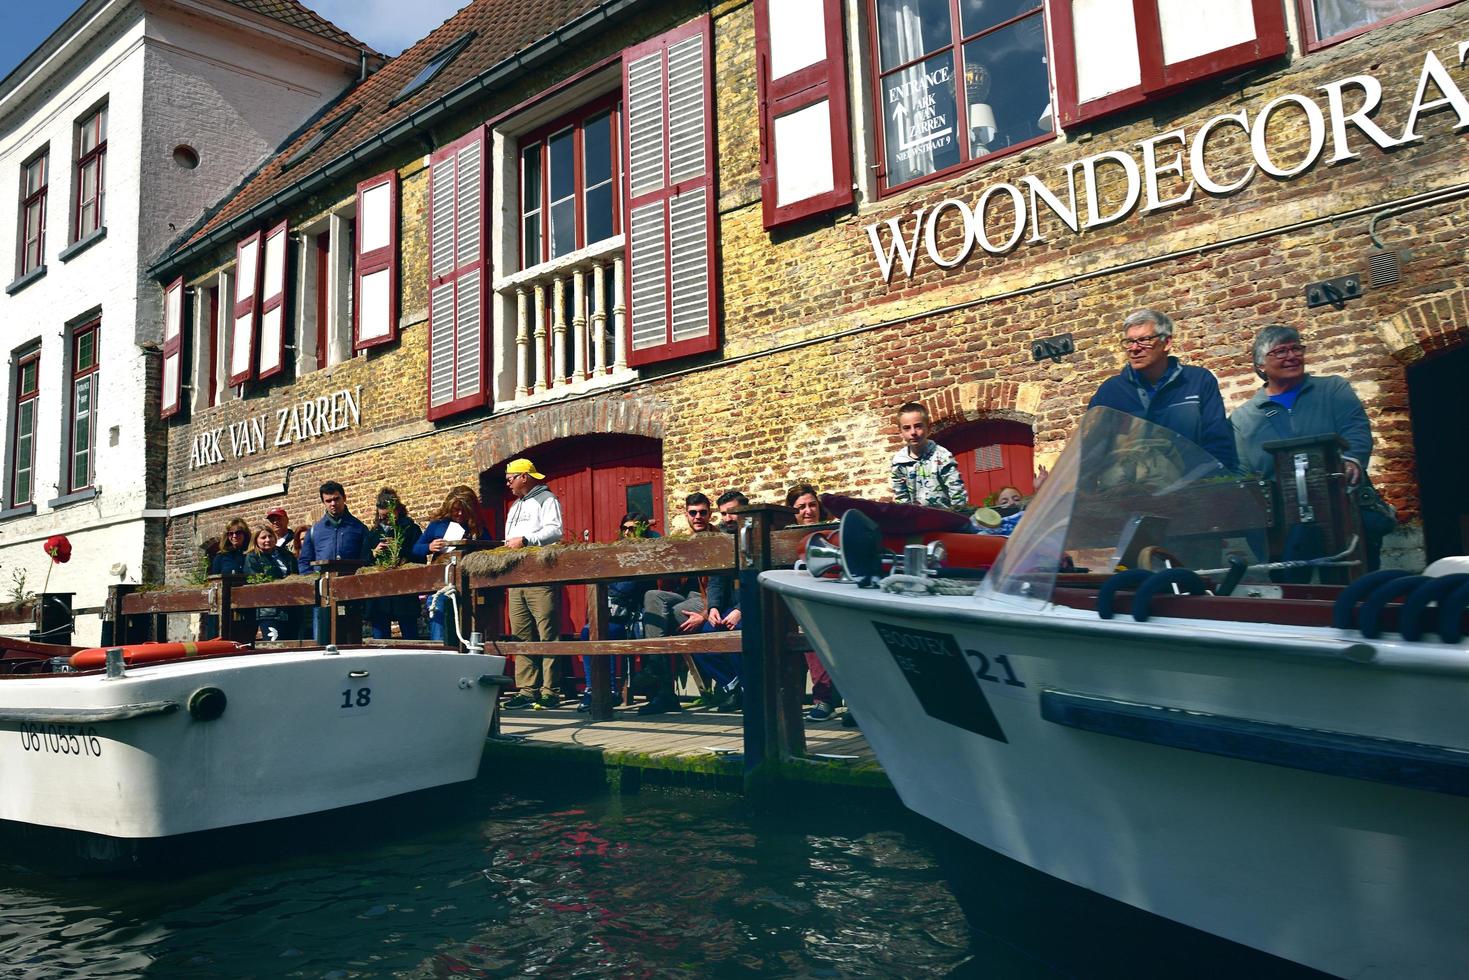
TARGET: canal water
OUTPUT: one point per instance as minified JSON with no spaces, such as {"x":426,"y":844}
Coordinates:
{"x":480,"y":882}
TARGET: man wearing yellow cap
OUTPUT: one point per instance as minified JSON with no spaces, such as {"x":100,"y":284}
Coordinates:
{"x":535,"y":610}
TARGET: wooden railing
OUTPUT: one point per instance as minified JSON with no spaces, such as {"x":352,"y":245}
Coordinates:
{"x":771,"y":669}
{"x":49,"y":615}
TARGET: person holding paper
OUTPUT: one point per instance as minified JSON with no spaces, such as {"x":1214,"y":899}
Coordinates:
{"x":460,"y":517}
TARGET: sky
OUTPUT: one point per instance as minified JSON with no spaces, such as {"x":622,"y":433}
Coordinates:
{"x":388,"y":25}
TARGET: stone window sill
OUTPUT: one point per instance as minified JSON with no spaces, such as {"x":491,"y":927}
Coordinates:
{"x":24,"y":510}
{"x":82,"y":244}
{"x":25,"y":281}
{"x":79,"y":496}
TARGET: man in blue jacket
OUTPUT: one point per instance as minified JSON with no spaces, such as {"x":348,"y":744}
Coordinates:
{"x":337,"y":535}
{"x":1156,"y":387}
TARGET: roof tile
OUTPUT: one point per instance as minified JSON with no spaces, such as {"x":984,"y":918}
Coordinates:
{"x":501,"y":27}
{"x":296,"y":14}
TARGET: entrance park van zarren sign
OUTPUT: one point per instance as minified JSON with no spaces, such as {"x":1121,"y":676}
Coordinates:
{"x":1350,"y":103}
{"x":310,"y":418}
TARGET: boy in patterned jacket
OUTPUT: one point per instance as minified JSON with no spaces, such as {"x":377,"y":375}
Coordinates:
{"x":923,"y":472}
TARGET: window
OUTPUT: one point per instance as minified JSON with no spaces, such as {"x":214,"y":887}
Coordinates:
{"x":33,"y":214}
{"x":958,"y":82}
{"x":1114,"y":54}
{"x":435,"y":65}
{"x":322,"y":135}
{"x":805,"y":155}
{"x":81,"y":466}
{"x":24,"y":403}
{"x":569,"y":172}
{"x":1328,"y":21}
{"x":91,"y":141}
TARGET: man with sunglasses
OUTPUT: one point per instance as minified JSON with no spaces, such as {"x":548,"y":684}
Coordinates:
{"x":696,"y":601}
{"x":1293,"y":402}
{"x":1153,"y":385}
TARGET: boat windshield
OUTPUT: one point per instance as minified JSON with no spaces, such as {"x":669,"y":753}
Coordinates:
{"x":1124,"y":486}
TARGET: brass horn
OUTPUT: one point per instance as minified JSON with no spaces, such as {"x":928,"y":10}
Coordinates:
{"x":822,"y":557}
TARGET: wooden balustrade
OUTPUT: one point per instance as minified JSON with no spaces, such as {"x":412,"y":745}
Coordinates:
{"x":570,"y":326}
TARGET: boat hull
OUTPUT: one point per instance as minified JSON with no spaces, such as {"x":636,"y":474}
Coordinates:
{"x":300,"y":732}
{"x":1015,"y":730}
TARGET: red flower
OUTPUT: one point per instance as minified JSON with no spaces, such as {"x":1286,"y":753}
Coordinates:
{"x":58,"y":548}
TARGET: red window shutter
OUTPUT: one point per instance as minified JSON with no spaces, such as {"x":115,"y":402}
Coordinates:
{"x":671,"y":287}
{"x":276,"y":251}
{"x":805,"y":157}
{"x":246,"y":311}
{"x":173,"y":348}
{"x":457,"y":274}
{"x":375,"y":314}
{"x":1170,"y":50}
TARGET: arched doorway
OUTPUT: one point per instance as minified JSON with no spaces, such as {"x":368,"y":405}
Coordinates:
{"x":597,"y":478}
{"x":1438,"y":401}
{"x":992,"y":454}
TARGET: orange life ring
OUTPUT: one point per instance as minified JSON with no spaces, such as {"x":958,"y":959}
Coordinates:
{"x":152,"y":653}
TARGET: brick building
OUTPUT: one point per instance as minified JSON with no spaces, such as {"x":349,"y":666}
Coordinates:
{"x":116,"y":133}
{"x":661,"y":246}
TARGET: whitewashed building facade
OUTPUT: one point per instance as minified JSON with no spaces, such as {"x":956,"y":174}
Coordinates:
{"x":116,"y":134}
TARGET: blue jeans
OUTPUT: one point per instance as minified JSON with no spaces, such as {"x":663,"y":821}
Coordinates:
{"x":615,"y":631}
{"x":382,"y":612}
{"x":724,"y":668}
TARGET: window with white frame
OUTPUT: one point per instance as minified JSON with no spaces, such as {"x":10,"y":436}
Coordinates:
{"x":90,"y":172}
{"x":1328,"y":21}
{"x":33,"y":182}
{"x":82,"y":389}
{"x":326,"y":283}
{"x":958,"y":82}
{"x":570,"y":170}
{"x":24,"y":403}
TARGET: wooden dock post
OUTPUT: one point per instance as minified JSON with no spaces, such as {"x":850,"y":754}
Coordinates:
{"x":118,"y":628}
{"x":772,"y":717}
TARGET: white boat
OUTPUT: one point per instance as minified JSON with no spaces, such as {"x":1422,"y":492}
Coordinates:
{"x":1236,"y":764}
{"x":203,"y":743}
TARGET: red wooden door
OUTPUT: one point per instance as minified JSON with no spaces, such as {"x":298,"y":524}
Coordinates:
{"x":992,"y":455}
{"x":597,"y":479}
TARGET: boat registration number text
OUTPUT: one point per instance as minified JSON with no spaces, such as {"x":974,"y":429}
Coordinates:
{"x":949,"y":681}
{"x":79,"y":740}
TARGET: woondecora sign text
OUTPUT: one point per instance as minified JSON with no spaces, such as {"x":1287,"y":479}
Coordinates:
{"x":310,"y":418}
{"x":1351,"y":103}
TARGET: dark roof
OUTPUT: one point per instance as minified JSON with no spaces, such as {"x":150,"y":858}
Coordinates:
{"x":295,"y":14}
{"x":501,"y":28}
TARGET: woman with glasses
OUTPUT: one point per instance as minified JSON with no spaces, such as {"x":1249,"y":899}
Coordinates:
{"x":233,"y":544}
{"x":229,"y":559}
{"x":1293,"y":402}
